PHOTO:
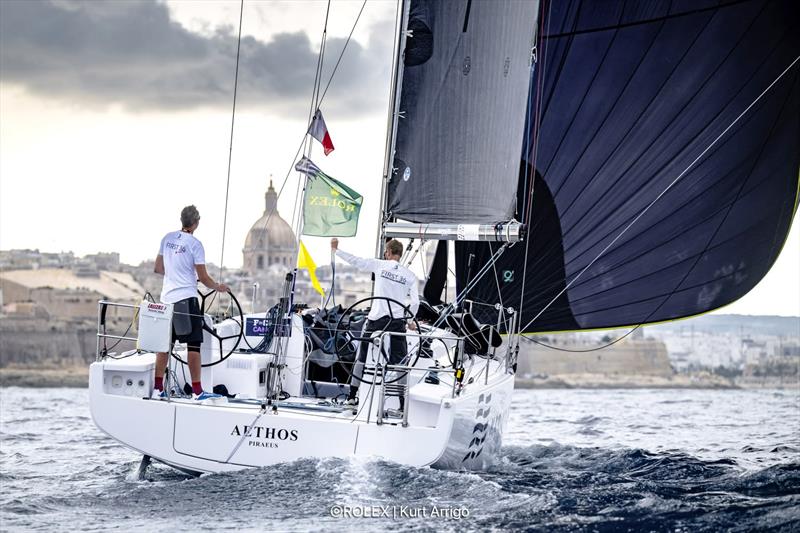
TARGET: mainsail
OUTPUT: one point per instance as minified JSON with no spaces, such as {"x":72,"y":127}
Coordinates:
{"x":661,"y":176}
{"x":461,"y":113}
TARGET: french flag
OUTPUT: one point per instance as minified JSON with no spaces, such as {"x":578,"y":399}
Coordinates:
{"x":319,"y":131}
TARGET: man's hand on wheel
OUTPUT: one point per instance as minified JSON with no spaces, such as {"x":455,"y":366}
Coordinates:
{"x":221,"y":287}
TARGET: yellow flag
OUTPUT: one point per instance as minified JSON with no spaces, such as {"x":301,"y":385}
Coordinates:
{"x":304,"y":261}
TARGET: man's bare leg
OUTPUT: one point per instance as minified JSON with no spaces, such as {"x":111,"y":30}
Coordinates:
{"x":161,"y":365}
{"x":195,"y":369}
{"x":195,"y":366}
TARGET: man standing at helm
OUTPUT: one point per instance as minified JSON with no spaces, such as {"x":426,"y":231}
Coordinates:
{"x":182,"y":261}
{"x":392,"y":280}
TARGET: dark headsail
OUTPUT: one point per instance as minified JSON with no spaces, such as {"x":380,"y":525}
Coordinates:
{"x":462,"y":111}
{"x":664,"y":154}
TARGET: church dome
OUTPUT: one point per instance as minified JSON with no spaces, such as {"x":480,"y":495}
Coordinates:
{"x":270,"y":240}
{"x":275,"y":233}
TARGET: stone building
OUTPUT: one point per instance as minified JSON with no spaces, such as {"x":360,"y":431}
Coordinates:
{"x":270,"y":240}
{"x":268,"y":253}
{"x":573,"y":356}
{"x":65,"y":293}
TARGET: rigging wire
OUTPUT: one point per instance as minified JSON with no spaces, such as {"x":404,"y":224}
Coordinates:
{"x":699,"y":256}
{"x":230,"y":150}
{"x":530,"y":180}
{"x":304,"y":139}
{"x":623,"y":200}
{"x":497,"y":279}
{"x":302,"y":183}
{"x":663,"y":192}
{"x":339,"y":60}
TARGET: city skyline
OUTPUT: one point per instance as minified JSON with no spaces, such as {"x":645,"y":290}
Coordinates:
{"x":97,"y":156}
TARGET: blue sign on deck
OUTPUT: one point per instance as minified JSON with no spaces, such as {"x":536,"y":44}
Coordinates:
{"x":259,"y":327}
{"x":256,"y":327}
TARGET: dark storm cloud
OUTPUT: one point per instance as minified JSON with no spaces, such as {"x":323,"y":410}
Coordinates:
{"x":130,"y":53}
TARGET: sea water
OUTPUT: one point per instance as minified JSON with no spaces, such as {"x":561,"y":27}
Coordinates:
{"x":573,"y":460}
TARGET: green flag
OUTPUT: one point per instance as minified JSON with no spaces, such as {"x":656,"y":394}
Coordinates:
{"x":331,"y":208}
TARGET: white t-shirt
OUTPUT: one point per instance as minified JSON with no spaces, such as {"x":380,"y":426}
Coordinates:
{"x":181,"y":251}
{"x":392,"y":280}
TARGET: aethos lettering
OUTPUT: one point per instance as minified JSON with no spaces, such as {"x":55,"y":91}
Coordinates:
{"x":262,"y":432}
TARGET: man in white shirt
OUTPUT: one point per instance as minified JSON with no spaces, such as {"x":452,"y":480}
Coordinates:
{"x":182,"y":261}
{"x":392,"y":280}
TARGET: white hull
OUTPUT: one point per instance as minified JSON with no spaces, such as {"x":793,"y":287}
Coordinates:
{"x":210,"y":438}
{"x":454,"y":427}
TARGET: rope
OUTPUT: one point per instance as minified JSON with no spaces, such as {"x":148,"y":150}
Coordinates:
{"x":596,"y":348}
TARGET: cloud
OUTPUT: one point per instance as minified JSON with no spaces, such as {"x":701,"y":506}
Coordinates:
{"x":132,"y":54}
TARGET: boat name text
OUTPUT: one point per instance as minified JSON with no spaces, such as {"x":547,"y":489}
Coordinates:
{"x":262,"y":432}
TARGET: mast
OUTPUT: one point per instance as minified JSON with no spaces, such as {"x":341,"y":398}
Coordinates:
{"x":394,"y":103}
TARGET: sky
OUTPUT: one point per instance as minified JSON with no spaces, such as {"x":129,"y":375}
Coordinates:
{"x":115,"y":115}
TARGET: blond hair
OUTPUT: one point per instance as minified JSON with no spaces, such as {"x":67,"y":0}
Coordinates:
{"x":395,"y":247}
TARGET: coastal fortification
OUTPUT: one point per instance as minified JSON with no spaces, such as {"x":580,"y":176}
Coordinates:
{"x":645,"y":357}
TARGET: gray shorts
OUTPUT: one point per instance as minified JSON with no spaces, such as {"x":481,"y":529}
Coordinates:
{"x":187,"y":323}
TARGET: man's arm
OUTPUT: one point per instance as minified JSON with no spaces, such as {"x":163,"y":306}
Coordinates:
{"x":362,"y":263}
{"x":159,"y":266}
{"x":205,"y":279}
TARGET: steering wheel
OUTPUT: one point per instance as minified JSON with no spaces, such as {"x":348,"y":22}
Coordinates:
{"x":213,"y":332}
{"x":343,"y":325}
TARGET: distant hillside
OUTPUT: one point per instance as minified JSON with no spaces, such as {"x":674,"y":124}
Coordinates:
{"x":739,"y":324}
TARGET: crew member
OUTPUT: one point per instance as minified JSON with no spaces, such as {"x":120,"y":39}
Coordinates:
{"x":392,"y":280}
{"x":182,"y":261}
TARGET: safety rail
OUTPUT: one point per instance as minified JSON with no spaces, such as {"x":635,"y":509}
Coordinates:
{"x":102,"y":307}
{"x":391,"y":379}
{"x":383,"y":370}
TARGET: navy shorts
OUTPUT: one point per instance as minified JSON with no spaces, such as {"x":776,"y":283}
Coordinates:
{"x":187,"y":323}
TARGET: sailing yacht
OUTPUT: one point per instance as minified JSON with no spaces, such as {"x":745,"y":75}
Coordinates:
{"x":658,"y":179}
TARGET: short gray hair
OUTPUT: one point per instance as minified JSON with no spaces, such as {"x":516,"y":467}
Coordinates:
{"x":189,"y":216}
